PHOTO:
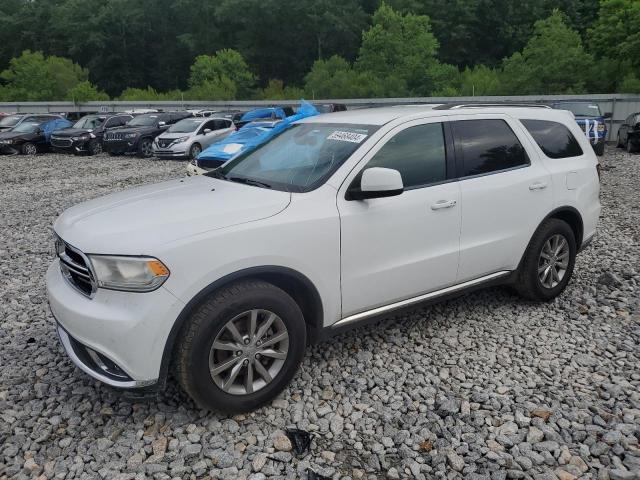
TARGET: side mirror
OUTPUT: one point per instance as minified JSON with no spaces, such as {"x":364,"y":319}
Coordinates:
{"x":162,"y":124}
{"x":377,"y":182}
{"x":207,"y":131}
{"x":607,"y":115}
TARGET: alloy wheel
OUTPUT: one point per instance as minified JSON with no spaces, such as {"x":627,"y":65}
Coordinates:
{"x":146,"y":148}
{"x":195,"y":151}
{"x":249,"y":352}
{"x":30,"y":149}
{"x":553,"y":261}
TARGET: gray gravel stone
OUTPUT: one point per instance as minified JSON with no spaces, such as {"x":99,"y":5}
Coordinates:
{"x":486,"y":386}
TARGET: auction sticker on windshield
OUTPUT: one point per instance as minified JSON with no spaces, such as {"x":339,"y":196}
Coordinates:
{"x":347,"y":136}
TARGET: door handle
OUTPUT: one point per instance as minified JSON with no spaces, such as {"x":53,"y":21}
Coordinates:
{"x":538,"y":186}
{"x":440,"y":204}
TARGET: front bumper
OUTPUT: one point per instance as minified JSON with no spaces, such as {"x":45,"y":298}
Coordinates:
{"x":169,"y":153}
{"x":120,"y":146}
{"x":6,"y":149}
{"x":124,"y":332}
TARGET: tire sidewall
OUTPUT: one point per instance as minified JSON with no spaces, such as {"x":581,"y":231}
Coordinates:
{"x":141,"y":150}
{"x":192,"y":149}
{"x":209,"y":324}
{"x":549,"y":229}
{"x":27,"y":146}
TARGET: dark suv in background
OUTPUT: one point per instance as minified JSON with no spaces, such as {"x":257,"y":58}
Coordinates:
{"x":137,"y":136}
{"x":86,"y":134}
{"x":629,"y":133}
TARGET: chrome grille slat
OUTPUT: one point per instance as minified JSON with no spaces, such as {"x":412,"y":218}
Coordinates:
{"x":79,"y":275}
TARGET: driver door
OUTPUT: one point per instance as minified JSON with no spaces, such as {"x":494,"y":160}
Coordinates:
{"x":400,"y":247}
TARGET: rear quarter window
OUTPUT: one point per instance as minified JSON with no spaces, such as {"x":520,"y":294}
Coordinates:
{"x":553,"y":138}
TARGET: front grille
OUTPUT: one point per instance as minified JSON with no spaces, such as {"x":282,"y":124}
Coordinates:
{"x":61,"y":142}
{"x":164,"y":142}
{"x":209,"y":164}
{"x":114,"y":136}
{"x":76,"y":268}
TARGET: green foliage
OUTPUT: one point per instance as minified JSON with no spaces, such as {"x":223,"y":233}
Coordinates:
{"x":630,"y":84}
{"x":616,"y":33}
{"x":479,"y":80}
{"x":552,"y":62}
{"x":275,"y":90}
{"x":34,"y":77}
{"x":222,"y":76}
{"x":403,"y":48}
{"x":86,"y":92}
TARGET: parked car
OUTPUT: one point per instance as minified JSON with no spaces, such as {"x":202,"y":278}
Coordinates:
{"x":188,"y":137}
{"x":264,"y":114}
{"x":30,"y":137}
{"x":340,"y":219}
{"x":137,"y":136}
{"x":86,"y":134}
{"x":10,"y":121}
{"x":330,"y":107}
{"x":629,"y":133}
{"x":591,"y":121}
{"x":248,"y":137}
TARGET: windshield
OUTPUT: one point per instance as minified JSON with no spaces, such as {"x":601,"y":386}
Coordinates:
{"x":10,"y":120}
{"x":89,"y":122}
{"x":26,"y":127}
{"x":186,"y":126}
{"x":143,"y":121}
{"x":299,"y":159}
{"x":582,"y":109}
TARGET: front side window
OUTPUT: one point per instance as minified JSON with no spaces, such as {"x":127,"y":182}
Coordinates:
{"x":144,"y":121}
{"x":553,"y":138}
{"x":487,"y":146}
{"x":299,"y":159}
{"x":89,"y":122}
{"x":418,"y":153}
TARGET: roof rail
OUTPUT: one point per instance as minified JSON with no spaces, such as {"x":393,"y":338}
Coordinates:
{"x":453,"y":106}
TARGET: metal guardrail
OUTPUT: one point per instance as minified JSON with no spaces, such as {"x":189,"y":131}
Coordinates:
{"x":620,"y":105}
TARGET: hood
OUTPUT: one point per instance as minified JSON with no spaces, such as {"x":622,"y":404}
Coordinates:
{"x":137,"y":221}
{"x":71,"y":132}
{"x":174,"y":135}
{"x":127,"y":129}
{"x":10,"y":135}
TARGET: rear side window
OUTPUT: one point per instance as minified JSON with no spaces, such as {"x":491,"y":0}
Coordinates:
{"x":553,"y":138}
{"x":487,"y":146}
{"x":418,"y":153}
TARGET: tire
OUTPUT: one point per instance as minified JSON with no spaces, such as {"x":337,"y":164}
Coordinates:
{"x":618,"y":142}
{"x":145,"y":148}
{"x":208,"y":325}
{"x":599,"y":149}
{"x":630,"y":146}
{"x":95,"y":147}
{"x":194,"y":151}
{"x":29,"y":149}
{"x":529,"y":283}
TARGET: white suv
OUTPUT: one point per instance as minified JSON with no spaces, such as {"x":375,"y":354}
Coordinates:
{"x":341,"y":218}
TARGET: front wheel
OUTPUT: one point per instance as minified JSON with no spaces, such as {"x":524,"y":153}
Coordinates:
{"x":145,"y":149}
{"x":548,"y":262}
{"x":618,"y":141}
{"x":95,"y":147}
{"x":29,"y":149}
{"x":195,"y":150}
{"x":241,"y":347}
{"x":599,"y":149}
{"x":631,"y":147}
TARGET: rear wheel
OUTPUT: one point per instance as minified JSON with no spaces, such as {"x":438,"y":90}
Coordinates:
{"x":631,"y":147}
{"x":195,"y":150}
{"x":619,"y":142}
{"x":548,"y":262}
{"x":241,"y":347}
{"x":145,"y":148}
{"x":599,"y":149}
{"x":29,"y":149}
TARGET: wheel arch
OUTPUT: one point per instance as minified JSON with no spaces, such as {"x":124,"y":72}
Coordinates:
{"x":297,"y":285}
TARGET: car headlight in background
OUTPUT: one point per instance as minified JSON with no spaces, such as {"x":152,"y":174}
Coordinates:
{"x":130,"y":274}
{"x":81,"y":137}
{"x":181,"y":139}
{"x":601,"y":127}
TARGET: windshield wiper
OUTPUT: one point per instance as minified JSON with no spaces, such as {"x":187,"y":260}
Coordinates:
{"x":249,"y":181}
{"x":218,"y":174}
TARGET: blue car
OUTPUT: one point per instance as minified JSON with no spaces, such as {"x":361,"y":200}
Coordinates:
{"x":591,"y":120}
{"x":250,"y":136}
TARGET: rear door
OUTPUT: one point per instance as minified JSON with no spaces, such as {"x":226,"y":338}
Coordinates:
{"x":505,"y":193}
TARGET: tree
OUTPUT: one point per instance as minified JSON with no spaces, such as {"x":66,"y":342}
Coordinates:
{"x":34,"y":77}
{"x":226,"y":71}
{"x":479,"y":80}
{"x":86,"y":92}
{"x":552,"y":62}
{"x":275,"y":90}
{"x":402,"y":47}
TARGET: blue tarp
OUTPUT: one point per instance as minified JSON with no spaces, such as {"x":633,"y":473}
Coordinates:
{"x":53,"y":125}
{"x":253,"y":135}
{"x":262,"y":113}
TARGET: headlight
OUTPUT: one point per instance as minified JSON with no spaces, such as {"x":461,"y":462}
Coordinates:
{"x":131,"y":274}
{"x":601,"y":127}
{"x":81,"y":137}
{"x":130,"y":135}
{"x":181,"y":139}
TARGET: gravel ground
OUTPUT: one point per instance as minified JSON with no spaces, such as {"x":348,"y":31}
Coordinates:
{"x":483,"y":387}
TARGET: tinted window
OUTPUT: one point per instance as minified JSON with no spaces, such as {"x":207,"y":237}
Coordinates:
{"x":553,"y":138}
{"x":418,"y":153}
{"x":487,"y":146}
